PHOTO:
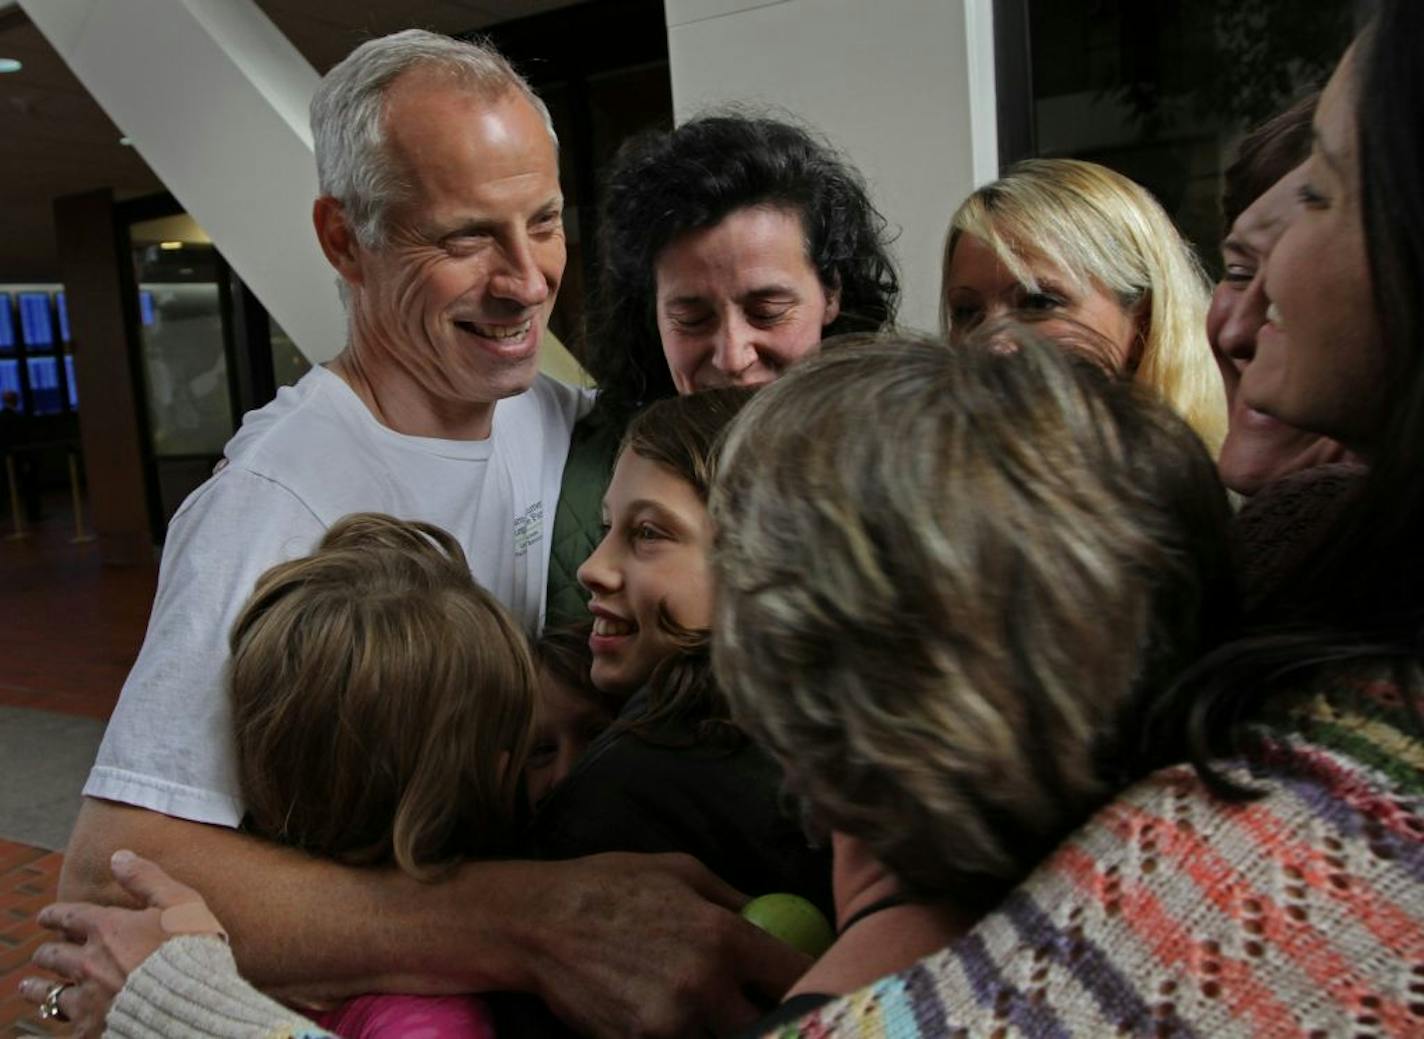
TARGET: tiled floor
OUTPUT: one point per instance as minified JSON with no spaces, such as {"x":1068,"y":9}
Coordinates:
{"x":71,"y":627}
{"x":69,"y":632}
{"x":28,"y":878}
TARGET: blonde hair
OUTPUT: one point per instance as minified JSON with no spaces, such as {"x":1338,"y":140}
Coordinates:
{"x":949,"y":581}
{"x":382,"y":701}
{"x":1102,"y":229}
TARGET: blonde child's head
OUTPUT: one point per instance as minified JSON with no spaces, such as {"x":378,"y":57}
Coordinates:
{"x":382,"y":701}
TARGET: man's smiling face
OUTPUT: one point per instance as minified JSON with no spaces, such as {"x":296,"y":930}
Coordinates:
{"x":458,"y":294}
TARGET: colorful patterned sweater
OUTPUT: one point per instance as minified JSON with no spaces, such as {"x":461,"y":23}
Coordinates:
{"x":1171,"y":914}
{"x":1175,"y":913}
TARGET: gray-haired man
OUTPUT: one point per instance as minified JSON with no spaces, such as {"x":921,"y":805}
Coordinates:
{"x":442,"y":214}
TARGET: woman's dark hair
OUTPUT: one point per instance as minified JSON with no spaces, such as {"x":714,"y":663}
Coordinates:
{"x":1363,"y":596}
{"x":1266,"y":154}
{"x":665,"y":183}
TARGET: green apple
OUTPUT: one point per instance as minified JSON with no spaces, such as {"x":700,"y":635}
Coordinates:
{"x":792,"y":919}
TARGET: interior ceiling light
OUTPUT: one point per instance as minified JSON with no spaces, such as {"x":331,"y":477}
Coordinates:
{"x":10,"y":65}
{"x":170,"y":246}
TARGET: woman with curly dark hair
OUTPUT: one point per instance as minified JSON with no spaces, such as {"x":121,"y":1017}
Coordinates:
{"x":730,"y":247}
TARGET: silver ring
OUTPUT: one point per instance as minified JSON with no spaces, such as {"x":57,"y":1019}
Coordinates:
{"x":49,"y":1008}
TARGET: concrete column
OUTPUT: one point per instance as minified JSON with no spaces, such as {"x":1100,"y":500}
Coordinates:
{"x":215,"y":98}
{"x":112,"y":429}
{"x":904,"y":87}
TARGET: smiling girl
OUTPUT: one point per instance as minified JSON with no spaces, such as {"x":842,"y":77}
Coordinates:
{"x":673,"y":773}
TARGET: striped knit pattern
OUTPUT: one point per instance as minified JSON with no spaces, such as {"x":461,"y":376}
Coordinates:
{"x":1173,"y":913}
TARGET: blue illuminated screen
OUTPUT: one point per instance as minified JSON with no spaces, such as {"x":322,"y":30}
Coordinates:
{"x":35,"y":323}
{"x":63,"y":309}
{"x":44,"y":385}
{"x":145,"y":306}
{"x":9,"y":376}
{"x":7,"y":323}
{"x":73,"y":386}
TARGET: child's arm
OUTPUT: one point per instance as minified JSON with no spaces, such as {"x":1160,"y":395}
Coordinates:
{"x":616,"y":944}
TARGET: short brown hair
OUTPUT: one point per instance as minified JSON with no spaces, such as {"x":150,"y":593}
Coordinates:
{"x":1266,"y":154}
{"x":945,"y":579}
{"x":382,"y":701}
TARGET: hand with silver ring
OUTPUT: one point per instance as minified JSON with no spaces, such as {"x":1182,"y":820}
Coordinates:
{"x":49,"y":1008}
{"x":98,"y":946}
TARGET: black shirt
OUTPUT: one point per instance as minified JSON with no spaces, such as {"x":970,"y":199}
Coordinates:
{"x":712,"y":794}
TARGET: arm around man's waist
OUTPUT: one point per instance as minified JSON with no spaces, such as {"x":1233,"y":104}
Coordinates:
{"x":310,"y":924}
{"x":615,"y":944}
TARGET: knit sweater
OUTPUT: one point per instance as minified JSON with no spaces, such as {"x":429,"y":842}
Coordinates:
{"x":1176,"y":913}
{"x":1172,"y":913}
{"x":189,"y":987}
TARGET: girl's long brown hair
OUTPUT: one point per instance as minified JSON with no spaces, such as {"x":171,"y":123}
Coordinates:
{"x":684,"y":435}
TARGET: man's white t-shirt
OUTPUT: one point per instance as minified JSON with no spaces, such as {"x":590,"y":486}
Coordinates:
{"x":311,"y":456}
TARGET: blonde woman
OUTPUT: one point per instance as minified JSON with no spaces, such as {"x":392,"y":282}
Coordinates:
{"x":1061,"y":239}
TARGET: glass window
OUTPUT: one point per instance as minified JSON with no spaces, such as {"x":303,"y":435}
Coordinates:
{"x":181,"y":342}
{"x":185,"y":363}
{"x":288,"y":363}
{"x":1162,"y":92}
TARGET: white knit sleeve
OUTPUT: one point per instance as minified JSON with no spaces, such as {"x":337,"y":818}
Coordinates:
{"x":190,"y":989}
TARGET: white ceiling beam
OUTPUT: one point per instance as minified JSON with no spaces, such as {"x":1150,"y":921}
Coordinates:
{"x":215,"y":98}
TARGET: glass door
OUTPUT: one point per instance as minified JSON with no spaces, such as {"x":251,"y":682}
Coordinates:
{"x":183,"y":352}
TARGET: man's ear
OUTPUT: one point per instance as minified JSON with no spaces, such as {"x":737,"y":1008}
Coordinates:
{"x":337,"y":238}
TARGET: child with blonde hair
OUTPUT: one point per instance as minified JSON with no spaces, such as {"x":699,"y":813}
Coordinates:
{"x":383,"y":703}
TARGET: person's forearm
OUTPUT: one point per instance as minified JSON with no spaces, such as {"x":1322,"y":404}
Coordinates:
{"x":309,"y":925}
{"x":617,"y":945}
{"x":190,"y":987}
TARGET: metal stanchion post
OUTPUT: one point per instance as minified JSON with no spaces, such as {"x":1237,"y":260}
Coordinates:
{"x":17,"y":507}
{"x":79,"y":535}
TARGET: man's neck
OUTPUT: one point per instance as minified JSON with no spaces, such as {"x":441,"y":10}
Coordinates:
{"x":398,"y":403}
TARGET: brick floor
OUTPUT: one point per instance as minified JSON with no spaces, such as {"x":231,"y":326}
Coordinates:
{"x":28,"y":880}
{"x":72,"y":628}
